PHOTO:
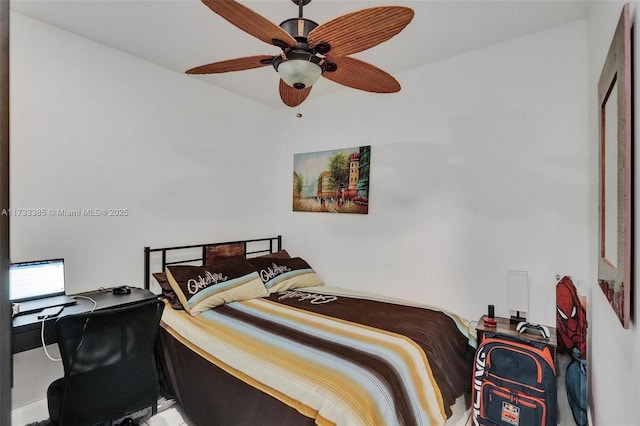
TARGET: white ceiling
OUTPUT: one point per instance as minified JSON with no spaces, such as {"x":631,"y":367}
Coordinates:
{"x":181,"y":34}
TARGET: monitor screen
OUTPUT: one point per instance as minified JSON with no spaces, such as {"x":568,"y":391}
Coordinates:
{"x":33,"y":280}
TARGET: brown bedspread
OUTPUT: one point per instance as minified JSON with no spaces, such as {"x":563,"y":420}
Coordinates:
{"x":284,"y":329}
{"x":448,"y":350}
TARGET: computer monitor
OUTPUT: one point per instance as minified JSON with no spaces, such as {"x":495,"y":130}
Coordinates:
{"x":36,"y":279}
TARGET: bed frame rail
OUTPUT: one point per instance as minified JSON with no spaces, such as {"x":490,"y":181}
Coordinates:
{"x":257,"y":246}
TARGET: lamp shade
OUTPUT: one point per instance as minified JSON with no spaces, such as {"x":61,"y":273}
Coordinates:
{"x":298,"y":68}
{"x":298,"y":73}
{"x":518,"y":291}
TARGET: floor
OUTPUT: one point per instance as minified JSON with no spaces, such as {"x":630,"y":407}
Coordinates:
{"x":169,"y":414}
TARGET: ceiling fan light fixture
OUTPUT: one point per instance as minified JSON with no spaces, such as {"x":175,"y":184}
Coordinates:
{"x":305,"y":45}
{"x":299,"y":69}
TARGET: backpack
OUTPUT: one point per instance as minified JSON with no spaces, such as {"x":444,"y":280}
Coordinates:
{"x":514,"y":383}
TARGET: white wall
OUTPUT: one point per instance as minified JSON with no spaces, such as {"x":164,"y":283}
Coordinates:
{"x":94,"y":128}
{"x":479,"y":165}
{"x":614,"y":352}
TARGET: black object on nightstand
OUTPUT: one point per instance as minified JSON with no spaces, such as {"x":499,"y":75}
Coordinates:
{"x":490,"y":320}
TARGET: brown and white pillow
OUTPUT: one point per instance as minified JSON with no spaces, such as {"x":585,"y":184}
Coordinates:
{"x":203,"y":287}
{"x":167,"y":290}
{"x":279,"y":274}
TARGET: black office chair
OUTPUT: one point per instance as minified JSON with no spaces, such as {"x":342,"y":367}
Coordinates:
{"x":109,"y":365}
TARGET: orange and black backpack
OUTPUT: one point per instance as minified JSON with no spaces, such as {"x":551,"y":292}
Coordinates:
{"x":514,"y":383}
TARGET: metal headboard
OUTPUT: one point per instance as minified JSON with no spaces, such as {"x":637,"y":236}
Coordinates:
{"x":256,"y":246}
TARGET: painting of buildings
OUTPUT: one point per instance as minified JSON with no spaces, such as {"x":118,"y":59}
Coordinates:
{"x":335,"y":181}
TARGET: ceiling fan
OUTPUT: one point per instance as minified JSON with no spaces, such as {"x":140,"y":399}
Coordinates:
{"x":310,"y":51}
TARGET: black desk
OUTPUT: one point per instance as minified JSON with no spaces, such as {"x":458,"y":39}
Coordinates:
{"x":25,"y":332}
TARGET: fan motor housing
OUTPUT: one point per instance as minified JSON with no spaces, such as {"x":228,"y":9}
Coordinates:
{"x":298,"y":28}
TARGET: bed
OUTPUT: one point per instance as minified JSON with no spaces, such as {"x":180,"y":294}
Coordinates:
{"x":294,"y":350}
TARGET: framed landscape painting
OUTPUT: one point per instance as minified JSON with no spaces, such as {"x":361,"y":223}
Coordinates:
{"x":335,"y":181}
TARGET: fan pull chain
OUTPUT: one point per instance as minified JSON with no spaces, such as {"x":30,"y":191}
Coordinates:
{"x":299,"y":114}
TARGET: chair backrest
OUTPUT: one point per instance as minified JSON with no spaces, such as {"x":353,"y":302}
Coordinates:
{"x":109,"y":362}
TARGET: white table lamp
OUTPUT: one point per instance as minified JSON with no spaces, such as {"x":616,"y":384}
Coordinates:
{"x":518,"y":295}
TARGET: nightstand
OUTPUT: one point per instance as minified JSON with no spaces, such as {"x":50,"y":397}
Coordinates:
{"x":504,"y":326}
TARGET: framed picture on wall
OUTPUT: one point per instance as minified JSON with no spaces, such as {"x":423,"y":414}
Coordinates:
{"x":335,"y":181}
{"x":614,"y":236}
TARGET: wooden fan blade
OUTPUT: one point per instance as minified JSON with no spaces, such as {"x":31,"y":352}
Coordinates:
{"x":249,"y":21}
{"x":357,"y":74}
{"x":361,"y":30}
{"x":291,"y":96}
{"x":238,"y":64}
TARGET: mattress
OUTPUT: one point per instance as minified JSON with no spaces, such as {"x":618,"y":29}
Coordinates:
{"x":320,"y":355}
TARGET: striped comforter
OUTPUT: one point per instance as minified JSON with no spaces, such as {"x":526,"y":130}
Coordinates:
{"x":339,"y":360}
